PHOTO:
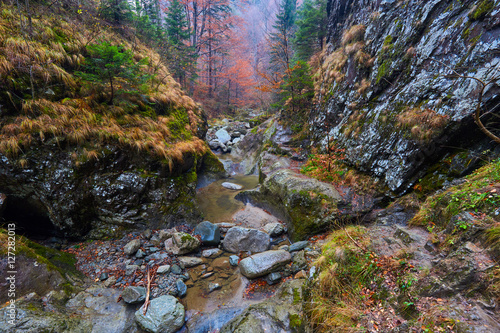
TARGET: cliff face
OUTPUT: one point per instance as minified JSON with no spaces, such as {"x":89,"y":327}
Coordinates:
{"x":385,"y":90}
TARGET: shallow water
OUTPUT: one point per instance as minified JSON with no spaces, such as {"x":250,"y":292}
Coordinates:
{"x":218,"y":203}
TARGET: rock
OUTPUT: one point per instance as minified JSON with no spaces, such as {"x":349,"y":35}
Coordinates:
{"x":163,"y":269}
{"x":236,"y":140}
{"x":225,"y":226}
{"x":281,"y":313}
{"x":3,"y":199}
{"x":207,"y":275}
{"x":284,"y":247}
{"x":103,"y":276}
{"x":133,"y":295}
{"x":299,"y":262}
{"x":132,"y":247}
{"x":176,"y":269}
{"x":273,"y":278}
{"x":165,"y":234}
{"x":212,"y":321}
{"x":221,"y":264}
{"x":139,"y":254}
{"x":223,"y":136}
{"x":190,"y":261}
{"x":182,"y":243}
{"x":407,"y":235}
{"x":233,"y":260}
{"x":209,"y":233}
{"x":213,"y":286}
{"x":130,"y":269}
{"x":211,"y":253}
{"x":274,"y":229}
{"x":180,"y":287}
{"x":241,"y":239}
{"x":298,"y":246}
{"x":147,"y":233}
{"x":110,"y":281}
{"x":263,"y":263}
{"x":164,"y":315}
{"x":300,"y":275}
{"x":231,"y":186}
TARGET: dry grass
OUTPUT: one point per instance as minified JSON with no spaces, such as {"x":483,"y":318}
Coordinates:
{"x":422,"y":123}
{"x":161,"y":121}
{"x":354,"y":34}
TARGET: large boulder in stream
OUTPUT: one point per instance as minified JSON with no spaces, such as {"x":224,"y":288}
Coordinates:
{"x":164,"y":315}
{"x":261,"y":264}
{"x":239,"y":239}
{"x":209,"y":233}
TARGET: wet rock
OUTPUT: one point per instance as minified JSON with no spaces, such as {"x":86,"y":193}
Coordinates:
{"x":209,"y":233}
{"x":213,"y":321}
{"x":181,"y":288}
{"x":182,"y":243}
{"x":131,"y":247}
{"x":233,"y":260}
{"x":188,"y":262}
{"x":274,"y":229}
{"x":407,"y":235}
{"x":211,"y":253}
{"x":164,"y":315}
{"x":240,"y":239}
{"x":299,"y":262}
{"x":163,"y":269}
{"x":284,"y":247}
{"x":221,"y":264}
{"x":207,"y":275}
{"x":231,"y":186}
{"x":281,"y":313}
{"x":147,"y":233}
{"x":110,"y":281}
{"x":165,"y":234}
{"x":273,"y":278}
{"x":103,"y":276}
{"x":225,"y":226}
{"x":298,"y":246}
{"x":263,"y":263}
{"x":213,"y":286}
{"x":133,"y":295}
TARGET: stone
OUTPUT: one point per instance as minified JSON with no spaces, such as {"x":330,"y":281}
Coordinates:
{"x":176,"y":269}
{"x":130,"y":269}
{"x":182,"y":243}
{"x":240,"y":239}
{"x":134,"y":295}
{"x":180,"y":287}
{"x":223,"y":136}
{"x":225,"y":226}
{"x":131,"y":247}
{"x":299,"y":262}
{"x":209,"y":233}
{"x":274,"y":229}
{"x":233,"y":260}
{"x":147,"y":233}
{"x":207,"y":275}
{"x":300,"y":275}
{"x":190,"y":261}
{"x":261,"y":264}
{"x":139,"y":254}
{"x":211,"y":253}
{"x":163,"y":269}
{"x":164,"y":315}
{"x":165,"y":234}
{"x":284,"y":247}
{"x":221,"y":264}
{"x":213,"y":286}
{"x":110,"y":281}
{"x":103,"y":276}
{"x":231,"y":186}
{"x":298,"y":246}
{"x":273,"y":278}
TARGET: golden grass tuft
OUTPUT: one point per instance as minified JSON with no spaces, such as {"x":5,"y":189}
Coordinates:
{"x":422,"y":123}
{"x":354,"y":34}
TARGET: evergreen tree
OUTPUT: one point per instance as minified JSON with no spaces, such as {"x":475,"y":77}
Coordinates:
{"x":281,"y":38}
{"x":311,"y":28}
{"x":181,"y":56}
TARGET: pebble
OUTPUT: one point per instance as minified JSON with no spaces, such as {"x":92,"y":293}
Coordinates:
{"x":130,"y":269}
{"x":207,"y":275}
{"x":211,"y":253}
{"x":213,"y":286}
{"x":140,"y":254}
{"x":298,"y":246}
{"x":273,"y":278}
{"x":176,"y":269}
{"x":181,"y":287}
{"x":153,"y":249}
{"x":103,"y":276}
{"x":233,"y":260}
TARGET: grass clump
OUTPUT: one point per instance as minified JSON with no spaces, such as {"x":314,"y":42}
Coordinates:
{"x":423,"y":124}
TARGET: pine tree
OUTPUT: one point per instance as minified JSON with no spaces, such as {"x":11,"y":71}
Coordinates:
{"x":281,"y":38}
{"x":181,"y":56}
{"x":311,"y":32}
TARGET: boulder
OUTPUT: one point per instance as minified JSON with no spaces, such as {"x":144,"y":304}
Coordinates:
{"x":223,"y":136}
{"x":131,"y":247}
{"x":274,"y":229}
{"x":299,"y":262}
{"x":261,"y":264}
{"x":208,"y":232}
{"x":231,"y":186}
{"x":182,"y":243}
{"x":242,"y":239}
{"x":164,"y":315}
{"x":133,"y":295}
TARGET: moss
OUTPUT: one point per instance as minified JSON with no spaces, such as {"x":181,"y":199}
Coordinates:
{"x":296,"y":296}
{"x":384,"y":70}
{"x":295,"y":321}
{"x":482,"y":9}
